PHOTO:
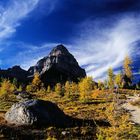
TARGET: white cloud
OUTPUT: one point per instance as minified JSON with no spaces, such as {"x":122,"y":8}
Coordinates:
{"x":30,"y":54}
{"x":100,"y":47}
{"x":12,"y":14}
{"x":97,"y":48}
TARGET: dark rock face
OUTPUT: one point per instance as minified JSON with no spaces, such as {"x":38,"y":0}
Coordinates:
{"x":15,"y":72}
{"x":58,"y":66}
{"x":35,"y":112}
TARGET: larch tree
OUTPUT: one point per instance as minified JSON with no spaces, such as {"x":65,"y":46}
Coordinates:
{"x":110,"y":78}
{"x":100,"y":85}
{"x":74,"y":88}
{"x":127,"y":67}
{"x":48,"y":89}
{"x":118,"y":80}
{"x":36,"y":81}
{"x":6,"y":88}
{"x":127,"y":72}
{"x":85,"y":88}
{"x":58,"y":89}
{"x":67,"y":88}
{"x":36,"y":84}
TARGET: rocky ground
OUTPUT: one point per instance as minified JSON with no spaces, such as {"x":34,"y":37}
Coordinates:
{"x":134,"y":110}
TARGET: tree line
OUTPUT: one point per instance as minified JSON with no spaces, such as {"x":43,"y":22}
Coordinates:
{"x":84,"y":87}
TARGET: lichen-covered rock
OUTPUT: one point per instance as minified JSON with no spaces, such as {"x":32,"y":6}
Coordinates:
{"x":23,"y":95}
{"x":35,"y":112}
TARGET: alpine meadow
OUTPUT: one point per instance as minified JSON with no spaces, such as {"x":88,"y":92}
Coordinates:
{"x":69,"y":70}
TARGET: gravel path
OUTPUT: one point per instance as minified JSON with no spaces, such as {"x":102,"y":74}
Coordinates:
{"x":134,"y":110}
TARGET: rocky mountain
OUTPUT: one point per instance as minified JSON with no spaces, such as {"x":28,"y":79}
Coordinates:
{"x":59,"y":66}
{"x":15,"y":72}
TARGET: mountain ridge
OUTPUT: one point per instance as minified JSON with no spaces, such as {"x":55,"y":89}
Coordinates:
{"x":58,"y":66}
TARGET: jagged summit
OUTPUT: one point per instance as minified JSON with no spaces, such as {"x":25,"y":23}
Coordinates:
{"x":59,"y":66}
{"x":59,"y":50}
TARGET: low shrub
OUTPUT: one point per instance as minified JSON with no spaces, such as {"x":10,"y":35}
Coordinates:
{"x":102,"y":94}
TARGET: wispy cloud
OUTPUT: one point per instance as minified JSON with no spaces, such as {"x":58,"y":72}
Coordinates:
{"x":34,"y":53}
{"x":12,"y":14}
{"x":27,"y":54}
{"x":100,"y":47}
{"x":100,"y":44}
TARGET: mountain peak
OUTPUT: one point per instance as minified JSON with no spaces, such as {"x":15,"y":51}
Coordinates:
{"x":58,"y":50}
{"x":16,"y":67}
{"x":59,"y":66}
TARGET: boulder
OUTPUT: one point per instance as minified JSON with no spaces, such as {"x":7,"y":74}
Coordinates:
{"x":35,"y":112}
{"x":23,"y":95}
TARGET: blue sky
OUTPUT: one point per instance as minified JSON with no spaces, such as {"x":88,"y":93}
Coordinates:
{"x":100,"y":33}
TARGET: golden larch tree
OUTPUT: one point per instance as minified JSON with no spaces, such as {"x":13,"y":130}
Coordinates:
{"x":6,"y":88}
{"x":36,"y":84}
{"x":118,"y":80}
{"x":100,"y":85}
{"x":74,"y":88}
{"x":127,"y":67}
{"x":85,"y":88}
{"x":67,"y":88}
{"x":58,"y":89}
{"x":36,"y":81}
{"x":110,"y":78}
{"x":48,"y":89}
